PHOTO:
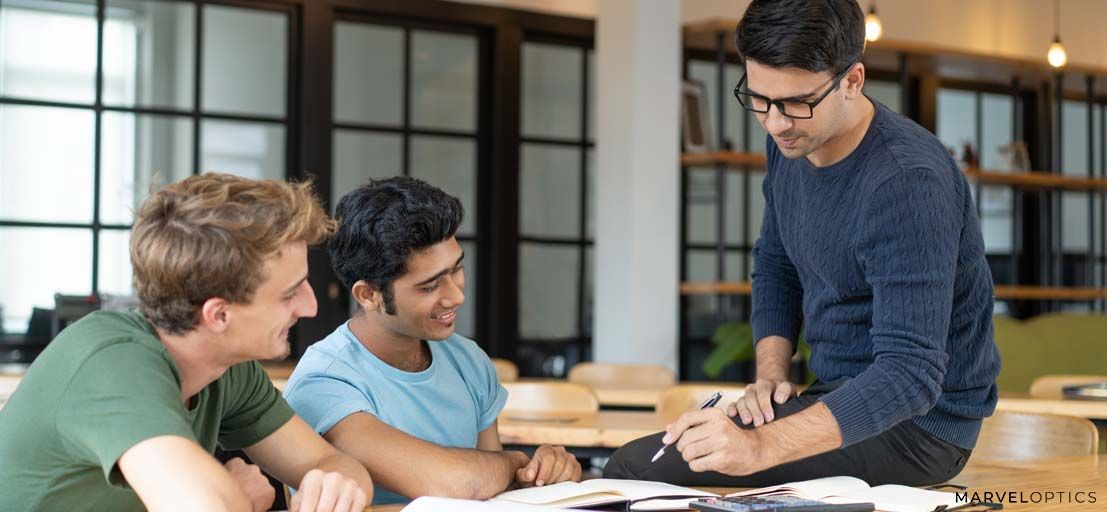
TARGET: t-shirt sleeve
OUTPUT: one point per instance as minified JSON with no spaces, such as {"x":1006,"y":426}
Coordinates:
{"x":491,"y":395}
{"x":120,"y":396}
{"x":253,"y":408}
{"x":324,"y":399}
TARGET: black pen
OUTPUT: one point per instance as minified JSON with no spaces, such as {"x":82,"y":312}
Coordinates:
{"x":710,"y":402}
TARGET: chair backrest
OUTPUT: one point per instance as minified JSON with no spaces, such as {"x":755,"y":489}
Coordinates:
{"x":680,"y":399}
{"x":630,"y":375}
{"x":1026,"y":436}
{"x":1050,"y":386}
{"x":550,"y":398}
{"x":506,"y":370}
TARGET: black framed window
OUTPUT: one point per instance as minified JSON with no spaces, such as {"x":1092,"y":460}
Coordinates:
{"x":556,"y":170}
{"x":100,"y":100}
{"x":406,"y":102}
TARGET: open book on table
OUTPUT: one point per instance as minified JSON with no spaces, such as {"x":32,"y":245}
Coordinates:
{"x":847,"y":489}
{"x":644,"y":495}
{"x":605,"y":491}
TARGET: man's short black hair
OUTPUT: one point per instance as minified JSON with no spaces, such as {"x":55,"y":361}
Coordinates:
{"x":382,"y":223}
{"x":814,"y":35}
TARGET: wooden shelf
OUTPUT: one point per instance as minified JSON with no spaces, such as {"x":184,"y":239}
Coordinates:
{"x":1048,"y":293}
{"x":715,"y":288}
{"x":1037,"y":180}
{"x":732,"y":159}
{"x":1001,"y":292}
{"x":755,"y":162}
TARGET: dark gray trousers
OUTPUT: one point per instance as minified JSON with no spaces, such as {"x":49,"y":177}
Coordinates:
{"x":905,"y":454}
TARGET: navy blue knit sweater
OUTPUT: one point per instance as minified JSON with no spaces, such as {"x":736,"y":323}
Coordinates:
{"x":879,"y":258}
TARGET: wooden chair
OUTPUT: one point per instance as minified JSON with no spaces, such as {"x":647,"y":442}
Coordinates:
{"x":1049,"y":386}
{"x":506,"y":370}
{"x":680,"y":399}
{"x":549,"y":399}
{"x":627,"y":375}
{"x":1027,"y":436}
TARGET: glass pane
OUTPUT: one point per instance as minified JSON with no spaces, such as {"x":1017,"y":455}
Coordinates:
{"x":549,"y":191}
{"x":1074,"y":162}
{"x":996,"y":132}
{"x":252,"y":150}
{"x":957,"y":120}
{"x":150,"y":53}
{"x":48,"y":50}
{"x":115,"y":262}
{"x":996,"y":218}
{"x":245,"y":60}
{"x":706,"y":72}
{"x":41,"y":147}
{"x":450,"y":164}
{"x":701,"y":317}
{"x":139,"y":152}
{"x":359,"y":156}
{"x":884,"y":92}
{"x":368,"y":73}
{"x":443,"y":80}
{"x":548,"y":291}
{"x":702,"y":205}
{"x":736,"y":197}
{"x":67,"y":253}
{"x":551,"y":91}
{"x":467,"y":314}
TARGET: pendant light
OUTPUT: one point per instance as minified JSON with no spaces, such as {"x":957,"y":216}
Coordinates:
{"x":873,"y":28}
{"x":1056,"y":56}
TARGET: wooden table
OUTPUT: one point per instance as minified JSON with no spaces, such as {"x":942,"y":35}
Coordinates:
{"x":605,"y":429}
{"x":1091,"y":409}
{"x":1063,"y":475}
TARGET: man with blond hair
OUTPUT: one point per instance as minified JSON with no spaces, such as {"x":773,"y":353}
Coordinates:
{"x":124,"y":409}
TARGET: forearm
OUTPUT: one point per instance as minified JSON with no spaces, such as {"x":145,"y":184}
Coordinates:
{"x":477,"y":474}
{"x":774,"y":355}
{"x":339,"y":462}
{"x":815,"y":426}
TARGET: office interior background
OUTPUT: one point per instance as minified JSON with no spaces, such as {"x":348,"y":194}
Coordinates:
{"x":515,"y":107}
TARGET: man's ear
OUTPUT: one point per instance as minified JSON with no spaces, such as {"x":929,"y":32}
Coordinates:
{"x":215,"y":314}
{"x":855,"y":81}
{"x":367,"y":296}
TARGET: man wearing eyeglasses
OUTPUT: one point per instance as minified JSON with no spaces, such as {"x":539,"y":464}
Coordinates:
{"x":870,"y":243}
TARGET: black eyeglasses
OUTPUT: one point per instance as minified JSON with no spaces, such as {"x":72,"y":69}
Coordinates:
{"x":796,"y":109}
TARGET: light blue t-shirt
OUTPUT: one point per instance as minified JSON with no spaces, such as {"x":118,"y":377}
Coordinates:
{"x":448,"y":404}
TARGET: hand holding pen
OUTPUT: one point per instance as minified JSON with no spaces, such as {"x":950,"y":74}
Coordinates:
{"x":709,"y":402}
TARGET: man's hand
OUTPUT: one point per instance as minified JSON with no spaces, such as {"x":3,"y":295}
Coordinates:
{"x":756,"y":404}
{"x":253,"y":483}
{"x":328,"y":492}
{"x":710,"y":441}
{"x":549,"y":465}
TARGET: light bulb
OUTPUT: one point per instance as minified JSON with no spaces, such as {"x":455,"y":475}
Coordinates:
{"x":1056,"y":55}
{"x":873,"y":29}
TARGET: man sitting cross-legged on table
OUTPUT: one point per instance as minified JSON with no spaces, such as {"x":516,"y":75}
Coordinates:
{"x":124,"y":409}
{"x":395,"y":386}
{"x":871,"y":243}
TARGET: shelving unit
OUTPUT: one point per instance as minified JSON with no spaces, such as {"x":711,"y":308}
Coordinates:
{"x":1033,"y":180}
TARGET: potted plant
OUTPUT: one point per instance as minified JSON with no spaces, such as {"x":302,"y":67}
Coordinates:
{"x":734,"y":344}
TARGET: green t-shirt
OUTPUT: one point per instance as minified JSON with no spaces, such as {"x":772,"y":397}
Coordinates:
{"x":103,"y":385}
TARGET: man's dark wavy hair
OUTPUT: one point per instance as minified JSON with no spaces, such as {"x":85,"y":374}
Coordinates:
{"x":814,"y":35}
{"x":382,"y":223}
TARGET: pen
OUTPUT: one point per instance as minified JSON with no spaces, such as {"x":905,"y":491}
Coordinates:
{"x":710,"y":402}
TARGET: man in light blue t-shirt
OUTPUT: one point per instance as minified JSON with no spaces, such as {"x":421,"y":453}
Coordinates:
{"x":395,"y":386}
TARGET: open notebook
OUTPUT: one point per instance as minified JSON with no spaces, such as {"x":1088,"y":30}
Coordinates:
{"x":659,"y":496}
{"x":846,"y":489}
{"x":605,"y":491}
